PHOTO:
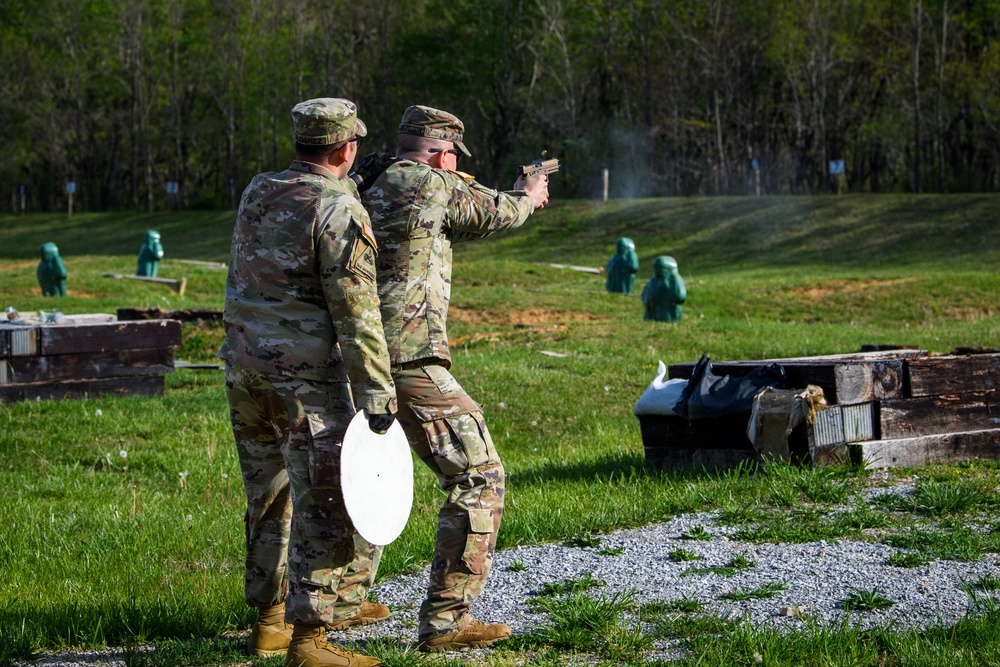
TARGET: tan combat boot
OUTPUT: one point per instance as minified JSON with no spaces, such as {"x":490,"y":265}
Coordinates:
{"x":370,"y":612}
{"x":309,"y":648}
{"x":474,"y":635}
{"x":270,"y":635}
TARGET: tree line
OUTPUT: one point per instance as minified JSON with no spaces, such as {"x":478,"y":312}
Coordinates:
{"x":671,"y":97}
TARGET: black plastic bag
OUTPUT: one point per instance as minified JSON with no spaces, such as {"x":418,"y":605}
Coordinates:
{"x":710,"y":395}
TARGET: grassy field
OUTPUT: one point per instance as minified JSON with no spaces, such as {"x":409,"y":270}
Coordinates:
{"x":122,"y":521}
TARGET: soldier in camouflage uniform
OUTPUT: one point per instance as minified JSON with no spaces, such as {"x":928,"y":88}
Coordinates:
{"x":304,"y":350}
{"x":420,"y":206}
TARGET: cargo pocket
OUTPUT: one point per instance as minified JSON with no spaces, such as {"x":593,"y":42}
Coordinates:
{"x":326,"y":436}
{"x":477,"y":544}
{"x":322,"y":572}
{"x":455,"y":434}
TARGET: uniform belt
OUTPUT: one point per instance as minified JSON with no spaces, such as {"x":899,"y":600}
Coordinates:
{"x":418,"y":363}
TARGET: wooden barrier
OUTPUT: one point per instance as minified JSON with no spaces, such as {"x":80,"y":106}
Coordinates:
{"x":177,"y":285}
{"x":80,"y":357}
{"x":887,"y":408}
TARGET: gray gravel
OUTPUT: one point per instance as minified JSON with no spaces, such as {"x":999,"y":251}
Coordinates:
{"x":819,"y":576}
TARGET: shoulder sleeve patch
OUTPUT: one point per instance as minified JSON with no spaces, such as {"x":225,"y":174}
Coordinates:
{"x":367,"y":231}
{"x":465,"y":176}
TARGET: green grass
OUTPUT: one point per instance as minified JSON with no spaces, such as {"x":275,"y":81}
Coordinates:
{"x":217,"y":651}
{"x":686,"y":604}
{"x":682,"y":555}
{"x":570,"y":586}
{"x":518,"y":566}
{"x":906,"y":559}
{"x":585,"y":624}
{"x":96,"y":554}
{"x":941,"y":499}
{"x":698,"y":532}
{"x":989,"y":582}
{"x":967,"y":643}
{"x":583,"y":540}
{"x":866,"y":600}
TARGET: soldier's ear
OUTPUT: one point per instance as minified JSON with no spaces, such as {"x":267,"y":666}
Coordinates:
{"x":340,"y":156}
{"x":437,"y":160}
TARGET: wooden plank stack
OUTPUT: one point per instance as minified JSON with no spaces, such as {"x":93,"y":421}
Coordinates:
{"x":193,"y":315}
{"x":886,"y":409}
{"x":85,"y":355}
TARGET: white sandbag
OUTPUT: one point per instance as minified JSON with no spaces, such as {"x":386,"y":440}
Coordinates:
{"x":661,"y":396}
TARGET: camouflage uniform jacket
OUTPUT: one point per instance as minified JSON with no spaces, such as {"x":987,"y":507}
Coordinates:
{"x":301,"y":278}
{"x":418,"y":213}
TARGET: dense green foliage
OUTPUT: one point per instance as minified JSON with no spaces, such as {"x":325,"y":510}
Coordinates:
{"x":673,"y":96}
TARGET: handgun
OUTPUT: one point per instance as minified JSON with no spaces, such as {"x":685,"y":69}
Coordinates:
{"x":537,"y":167}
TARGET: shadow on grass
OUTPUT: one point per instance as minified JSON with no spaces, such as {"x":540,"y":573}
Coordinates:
{"x":66,"y":622}
{"x":199,"y":651}
{"x":622,"y":466}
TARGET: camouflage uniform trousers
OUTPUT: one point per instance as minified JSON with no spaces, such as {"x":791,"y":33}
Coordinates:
{"x":301,"y":547}
{"x":446,"y":429}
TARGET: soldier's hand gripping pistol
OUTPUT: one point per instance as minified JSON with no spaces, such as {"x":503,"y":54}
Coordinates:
{"x":538,"y":167}
{"x":370,"y":168}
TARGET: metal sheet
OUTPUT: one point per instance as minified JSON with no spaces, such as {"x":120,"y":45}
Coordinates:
{"x":24,"y":342}
{"x":829,"y":427}
{"x":376,"y":476}
{"x":858,"y":422}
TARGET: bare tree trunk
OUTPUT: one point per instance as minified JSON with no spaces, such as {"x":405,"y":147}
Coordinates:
{"x":135,"y":67}
{"x":819,"y":28}
{"x":942,"y":56}
{"x":721,"y":177}
{"x":916,"y":17}
{"x":175,"y":91}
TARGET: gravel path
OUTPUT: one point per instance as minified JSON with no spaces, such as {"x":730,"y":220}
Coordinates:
{"x":819,"y":576}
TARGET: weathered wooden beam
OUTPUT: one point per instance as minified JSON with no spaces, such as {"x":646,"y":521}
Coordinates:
{"x":923,"y":450}
{"x":184,"y":315}
{"x":582,"y":269}
{"x":822,"y":359}
{"x":841,"y":383}
{"x":948,"y":413}
{"x":109,"y":337}
{"x":120,"y":363}
{"x":934,"y":376}
{"x":844,"y":378}
{"x":829,"y":455}
{"x":143,"y":385}
{"x":177,"y":285}
{"x":179,"y":363}
{"x":201,"y":262}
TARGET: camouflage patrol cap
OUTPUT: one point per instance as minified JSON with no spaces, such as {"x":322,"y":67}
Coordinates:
{"x":326,"y":120}
{"x":435,"y":124}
